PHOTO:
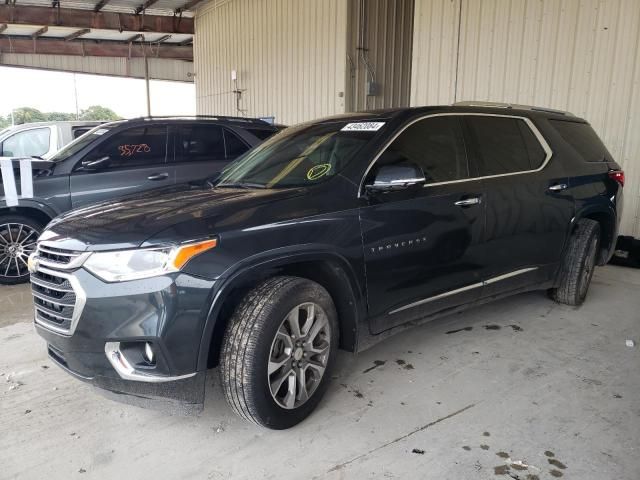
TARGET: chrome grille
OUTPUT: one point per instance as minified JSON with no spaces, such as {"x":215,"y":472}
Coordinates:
{"x":57,"y":295}
{"x":60,"y":259}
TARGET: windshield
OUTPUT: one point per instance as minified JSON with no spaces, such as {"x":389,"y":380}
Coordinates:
{"x":300,"y":156}
{"x":81,"y":142}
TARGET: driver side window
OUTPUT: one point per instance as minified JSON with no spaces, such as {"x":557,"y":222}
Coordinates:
{"x":134,"y":147}
{"x":435,"y":144}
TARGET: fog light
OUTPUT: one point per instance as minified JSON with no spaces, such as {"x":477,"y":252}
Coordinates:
{"x":148,"y":353}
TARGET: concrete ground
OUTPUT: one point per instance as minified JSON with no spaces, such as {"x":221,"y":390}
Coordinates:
{"x":522,"y":388}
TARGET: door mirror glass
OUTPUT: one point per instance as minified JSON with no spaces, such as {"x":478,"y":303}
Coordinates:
{"x":96,"y":164}
{"x":397,"y":177}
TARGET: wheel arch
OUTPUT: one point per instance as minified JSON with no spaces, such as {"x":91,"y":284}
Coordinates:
{"x":33,"y":210}
{"x":607,"y":219}
{"x":330,"y":270}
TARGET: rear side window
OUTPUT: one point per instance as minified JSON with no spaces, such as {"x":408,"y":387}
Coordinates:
{"x":78,"y":132}
{"x":583,"y":139}
{"x":235,"y":146}
{"x":434,"y":144}
{"x":28,"y":143}
{"x":197,"y":143}
{"x":134,"y":147}
{"x":504,"y":145}
{"x":261,"y":133}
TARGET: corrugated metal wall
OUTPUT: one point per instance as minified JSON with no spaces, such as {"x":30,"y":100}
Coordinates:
{"x":159,"y":68}
{"x":385,"y":43}
{"x":577,"y":55}
{"x":290,"y":58}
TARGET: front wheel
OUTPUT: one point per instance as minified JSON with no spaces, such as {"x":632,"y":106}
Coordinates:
{"x":278,"y":352}
{"x":579,"y":264}
{"x":18,"y":237}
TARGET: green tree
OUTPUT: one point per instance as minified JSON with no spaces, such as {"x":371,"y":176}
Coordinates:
{"x":97,"y":112}
{"x":60,"y":116}
{"x":27,"y":115}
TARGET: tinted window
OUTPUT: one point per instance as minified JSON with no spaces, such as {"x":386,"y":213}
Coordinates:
{"x":583,"y":139}
{"x":197,"y":143}
{"x":436,"y":145}
{"x":504,"y":145}
{"x":78,"y":132}
{"x":134,"y":147}
{"x":261,"y":133}
{"x":29,"y":143}
{"x":235,"y":146}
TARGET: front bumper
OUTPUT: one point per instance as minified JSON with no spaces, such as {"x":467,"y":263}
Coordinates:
{"x":169,"y":312}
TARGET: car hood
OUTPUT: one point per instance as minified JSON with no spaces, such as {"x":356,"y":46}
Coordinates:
{"x":131,"y":221}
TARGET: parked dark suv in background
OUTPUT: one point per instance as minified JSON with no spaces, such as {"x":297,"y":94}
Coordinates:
{"x":323,"y":237}
{"x":112,"y":160}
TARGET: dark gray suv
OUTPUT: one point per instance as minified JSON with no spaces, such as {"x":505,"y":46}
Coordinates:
{"x":109,"y":161}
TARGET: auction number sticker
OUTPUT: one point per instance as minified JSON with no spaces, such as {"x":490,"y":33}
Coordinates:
{"x":129,"y":150}
{"x":318,"y":171}
{"x":363,"y":127}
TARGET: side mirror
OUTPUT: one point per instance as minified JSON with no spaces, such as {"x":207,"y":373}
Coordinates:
{"x":97,"y":164}
{"x":397,"y":177}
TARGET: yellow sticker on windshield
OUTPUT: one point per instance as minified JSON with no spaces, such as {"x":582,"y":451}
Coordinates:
{"x":318,"y":171}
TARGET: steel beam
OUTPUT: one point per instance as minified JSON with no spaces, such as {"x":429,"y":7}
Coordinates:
{"x":77,"y":33}
{"x":93,"y":48}
{"x":72,"y":17}
{"x":145,"y":5}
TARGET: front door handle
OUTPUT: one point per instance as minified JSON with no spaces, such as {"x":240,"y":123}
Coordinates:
{"x":558,"y":187}
{"x":467,"y":202}
{"x":158,"y":176}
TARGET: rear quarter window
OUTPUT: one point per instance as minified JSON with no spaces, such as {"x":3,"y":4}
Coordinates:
{"x":583,"y":139}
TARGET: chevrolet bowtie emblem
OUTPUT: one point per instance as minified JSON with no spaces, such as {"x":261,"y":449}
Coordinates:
{"x":32,"y":263}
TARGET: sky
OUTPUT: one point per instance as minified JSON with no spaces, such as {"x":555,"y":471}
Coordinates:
{"x":54,"y":92}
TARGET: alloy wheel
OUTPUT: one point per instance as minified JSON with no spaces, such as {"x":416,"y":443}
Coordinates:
{"x":299,"y":355}
{"x":17,"y":242}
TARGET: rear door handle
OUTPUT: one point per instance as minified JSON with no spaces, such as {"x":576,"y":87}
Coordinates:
{"x":158,"y":176}
{"x":558,"y":187}
{"x":467,"y":202}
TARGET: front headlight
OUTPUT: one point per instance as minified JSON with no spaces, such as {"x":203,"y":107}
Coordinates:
{"x":126,"y":265}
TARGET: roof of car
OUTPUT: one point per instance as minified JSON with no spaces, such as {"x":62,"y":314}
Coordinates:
{"x":73,"y":123}
{"x":240,"y":121}
{"x":461,"y":107}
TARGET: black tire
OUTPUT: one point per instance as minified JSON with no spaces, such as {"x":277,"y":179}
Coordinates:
{"x":579,"y":263}
{"x":14,"y":230}
{"x":247,"y":350}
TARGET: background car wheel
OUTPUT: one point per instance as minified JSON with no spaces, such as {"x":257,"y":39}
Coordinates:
{"x":579,"y":264}
{"x":278,"y":351}
{"x":18,"y":237}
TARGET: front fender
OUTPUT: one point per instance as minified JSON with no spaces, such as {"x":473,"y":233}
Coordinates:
{"x":253,"y":269}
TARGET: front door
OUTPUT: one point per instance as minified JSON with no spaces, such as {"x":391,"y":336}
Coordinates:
{"x":129,"y":161}
{"x":423,"y":244}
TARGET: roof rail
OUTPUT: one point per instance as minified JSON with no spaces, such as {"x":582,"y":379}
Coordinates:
{"x":227,"y":118}
{"x":472,"y":103}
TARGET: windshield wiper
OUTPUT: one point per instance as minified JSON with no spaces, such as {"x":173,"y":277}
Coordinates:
{"x":240,"y":185}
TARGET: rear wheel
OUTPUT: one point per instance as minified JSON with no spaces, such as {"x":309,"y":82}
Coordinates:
{"x":579,"y":264}
{"x":18,"y":237}
{"x":278,"y":351}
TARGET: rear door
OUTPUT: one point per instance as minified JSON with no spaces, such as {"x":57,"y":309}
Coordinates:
{"x":130,"y":161}
{"x":423,"y":245}
{"x":529,"y":209}
{"x":202,"y":150}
